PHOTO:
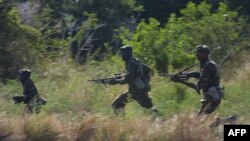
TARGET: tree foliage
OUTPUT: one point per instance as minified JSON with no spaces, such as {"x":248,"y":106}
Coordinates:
{"x":62,"y":20}
{"x":162,"y":9}
{"x":19,"y":44}
{"x":163,"y":33}
{"x":176,"y":40}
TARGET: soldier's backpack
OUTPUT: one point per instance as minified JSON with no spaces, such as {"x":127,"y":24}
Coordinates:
{"x":147,"y":72}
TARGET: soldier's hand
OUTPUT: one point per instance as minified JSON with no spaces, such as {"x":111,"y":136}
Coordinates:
{"x":112,"y":82}
{"x":175,"y":78}
{"x":17,"y":99}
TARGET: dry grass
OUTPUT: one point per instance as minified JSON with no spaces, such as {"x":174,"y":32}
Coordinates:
{"x":5,"y":129}
{"x":190,"y":127}
{"x":42,"y":128}
{"x":97,"y":127}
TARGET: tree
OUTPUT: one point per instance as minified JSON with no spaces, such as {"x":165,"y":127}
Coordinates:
{"x":70,"y":17}
{"x":197,"y":24}
{"x":19,"y":44}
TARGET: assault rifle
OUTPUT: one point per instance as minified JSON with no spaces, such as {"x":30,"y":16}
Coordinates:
{"x":17,"y":99}
{"x":106,"y":81}
{"x":182,"y":78}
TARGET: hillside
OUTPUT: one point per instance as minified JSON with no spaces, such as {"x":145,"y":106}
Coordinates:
{"x":80,"y":110}
{"x":66,"y":44}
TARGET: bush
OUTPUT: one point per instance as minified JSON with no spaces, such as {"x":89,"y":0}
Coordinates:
{"x":175,"y":42}
{"x":20,"y":45}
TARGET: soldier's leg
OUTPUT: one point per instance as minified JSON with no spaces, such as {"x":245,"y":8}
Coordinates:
{"x":119,"y":103}
{"x":28,"y":109}
{"x":37,"y":108}
{"x":212,"y":107}
{"x":36,"y":105}
{"x":204,"y":104}
{"x":214,"y":99}
{"x":145,"y":101}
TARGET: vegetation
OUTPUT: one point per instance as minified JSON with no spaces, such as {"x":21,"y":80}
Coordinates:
{"x":67,"y":43}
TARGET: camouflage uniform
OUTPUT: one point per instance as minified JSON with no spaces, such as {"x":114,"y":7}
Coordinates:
{"x":209,"y":82}
{"x":30,"y":95}
{"x":134,"y":69}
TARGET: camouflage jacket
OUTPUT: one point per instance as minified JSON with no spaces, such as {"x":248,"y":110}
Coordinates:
{"x":133,"y":68}
{"x":208,"y":75}
{"x":29,"y":90}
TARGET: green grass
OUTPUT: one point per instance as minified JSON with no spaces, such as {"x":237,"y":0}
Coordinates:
{"x":81,"y":110}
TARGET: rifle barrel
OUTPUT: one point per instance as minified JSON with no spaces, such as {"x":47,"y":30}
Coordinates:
{"x":165,"y":74}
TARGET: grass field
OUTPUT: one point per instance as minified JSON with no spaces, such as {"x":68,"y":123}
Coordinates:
{"x":79,"y":110}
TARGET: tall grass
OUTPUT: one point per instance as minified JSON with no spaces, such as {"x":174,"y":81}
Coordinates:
{"x":5,"y":129}
{"x":98,"y":127}
{"x":79,"y":110}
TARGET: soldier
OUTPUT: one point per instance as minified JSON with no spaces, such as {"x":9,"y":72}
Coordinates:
{"x":30,"y":95}
{"x":208,"y":80}
{"x":137,"y":83}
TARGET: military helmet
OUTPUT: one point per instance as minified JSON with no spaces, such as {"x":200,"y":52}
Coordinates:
{"x":126,"y":48}
{"x":203,"y":48}
{"x":24,"y":72}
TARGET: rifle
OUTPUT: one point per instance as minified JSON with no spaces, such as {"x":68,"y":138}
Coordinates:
{"x":106,"y":81}
{"x":191,"y":85}
{"x":182,"y":78}
{"x":180,"y":74}
{"x":17,"y":99}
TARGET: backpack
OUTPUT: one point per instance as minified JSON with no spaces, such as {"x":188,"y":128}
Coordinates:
{"x":146,"y":76}
{"x":146,"y":72}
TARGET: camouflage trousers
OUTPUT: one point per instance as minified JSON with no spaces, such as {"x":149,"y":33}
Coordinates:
{"x":211,"y":100}
{"x":33,"y":106}
{"x":140,"y":96}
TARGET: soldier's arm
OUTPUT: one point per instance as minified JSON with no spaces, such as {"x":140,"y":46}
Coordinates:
{"x":175,"y":78}
{"x":191,"y":85}
{"x":193,"y":75}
